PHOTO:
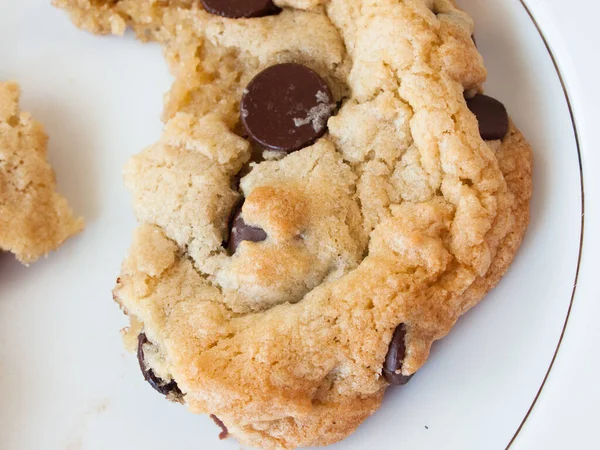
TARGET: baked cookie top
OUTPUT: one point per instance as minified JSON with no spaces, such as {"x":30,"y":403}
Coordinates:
{"x":34,"y":219}
{"x":300,"y":251}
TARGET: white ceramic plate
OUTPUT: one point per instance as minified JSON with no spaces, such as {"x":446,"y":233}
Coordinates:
{"x":67,"y":384}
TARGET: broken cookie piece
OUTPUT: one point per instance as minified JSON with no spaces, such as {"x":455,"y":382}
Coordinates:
{"x":34,"y":219}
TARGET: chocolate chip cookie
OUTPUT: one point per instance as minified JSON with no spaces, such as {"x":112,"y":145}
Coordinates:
{"x":34,"y":219}
{"x":331,"y":192}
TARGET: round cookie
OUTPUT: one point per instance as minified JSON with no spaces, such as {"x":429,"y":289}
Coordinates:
{"x":364,"y":247}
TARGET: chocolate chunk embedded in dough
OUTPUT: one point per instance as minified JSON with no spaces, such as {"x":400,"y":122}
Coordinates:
{"x":240,"y":231}
{"x":392,"y":366}
{"x":224,"y":431}
{"x":166,"y":388}
{"x":236,"y":9}
{"x":492,"y":116}
{"x":286,"y":107}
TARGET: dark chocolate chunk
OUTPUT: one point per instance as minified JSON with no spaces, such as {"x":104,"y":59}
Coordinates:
{"x":224,"y":431}
{"x":395,"y":357}
{"x":286,"y":107}
{"x":160,"y":385}
{"x":492,"y":116}
{"x":236,"y":9}
{"x":240,"y":231}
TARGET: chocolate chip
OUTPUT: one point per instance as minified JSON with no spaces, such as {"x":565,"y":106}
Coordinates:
{"x":236,"y":9}
{"x":492,"y":116}
{"x":240,"y":231}
{"x":166,"y":389}
{"x":224,"y":431}
{"x":395,"y":357}
{"x":286,"y":107}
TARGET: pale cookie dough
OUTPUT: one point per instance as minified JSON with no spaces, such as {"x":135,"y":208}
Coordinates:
{"x":401,"y":217}
{"x":34,"y":219}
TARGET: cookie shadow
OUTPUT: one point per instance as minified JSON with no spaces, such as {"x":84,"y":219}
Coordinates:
{"x":8,"y":265}
{"x":73,"y":153}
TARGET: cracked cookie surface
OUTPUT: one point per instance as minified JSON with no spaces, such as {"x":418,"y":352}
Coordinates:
{"x":400,"y":217}
{"x":34,"y":219}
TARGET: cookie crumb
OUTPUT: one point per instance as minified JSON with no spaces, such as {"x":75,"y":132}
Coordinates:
{"x":319,"y":114}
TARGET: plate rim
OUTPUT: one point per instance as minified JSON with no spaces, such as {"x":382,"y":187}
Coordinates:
{"x":576,"y":135}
